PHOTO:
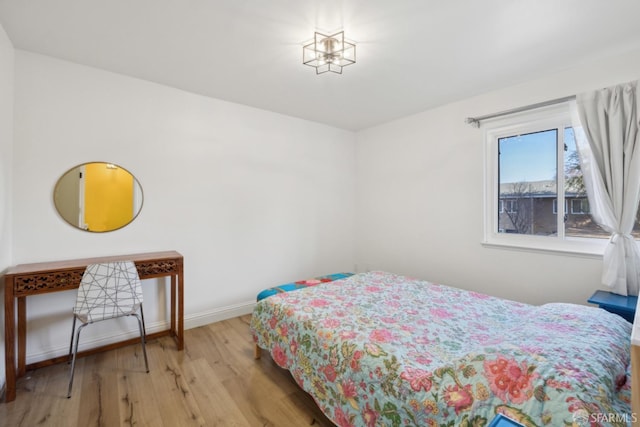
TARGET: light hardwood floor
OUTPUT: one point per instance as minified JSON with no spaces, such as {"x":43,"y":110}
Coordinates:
{"x":215,"y":381}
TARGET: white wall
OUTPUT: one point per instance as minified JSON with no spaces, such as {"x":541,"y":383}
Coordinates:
{"x":6,"y":145}
{"x":420,"y":195}
{"x":249,"y":197}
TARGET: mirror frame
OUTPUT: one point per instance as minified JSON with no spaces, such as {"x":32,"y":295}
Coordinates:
{"x":78,"y":187}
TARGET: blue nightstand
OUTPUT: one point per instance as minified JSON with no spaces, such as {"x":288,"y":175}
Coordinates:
{"x":614,"y":303}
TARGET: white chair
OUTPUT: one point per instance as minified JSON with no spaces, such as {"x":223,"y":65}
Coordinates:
{"x":107,"y":291}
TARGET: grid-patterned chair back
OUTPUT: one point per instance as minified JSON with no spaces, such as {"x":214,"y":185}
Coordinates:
{"x":108,"y":290}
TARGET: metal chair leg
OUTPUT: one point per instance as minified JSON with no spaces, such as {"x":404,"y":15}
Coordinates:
{"x":73,"y":330}
{"x":73,"y":361}
{"x":143,"y":339}
{"x":144,"y":327}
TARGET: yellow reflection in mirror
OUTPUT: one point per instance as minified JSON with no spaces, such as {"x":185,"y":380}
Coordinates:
{"x":98,"y":197}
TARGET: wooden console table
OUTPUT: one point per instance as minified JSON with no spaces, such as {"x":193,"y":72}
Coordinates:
{"x":34,"y":279}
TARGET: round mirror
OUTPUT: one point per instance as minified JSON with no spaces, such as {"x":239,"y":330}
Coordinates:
{"x":98,"y":197}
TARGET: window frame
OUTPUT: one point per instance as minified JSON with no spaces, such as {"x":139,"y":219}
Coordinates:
{"x":556,"y":116}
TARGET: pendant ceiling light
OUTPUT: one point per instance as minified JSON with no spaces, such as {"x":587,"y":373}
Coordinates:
{"x":329,"y":53}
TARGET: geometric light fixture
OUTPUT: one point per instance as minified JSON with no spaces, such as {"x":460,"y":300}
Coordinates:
{"x":329,"y":53}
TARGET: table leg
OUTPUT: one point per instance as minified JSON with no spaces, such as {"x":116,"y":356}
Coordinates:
{"x":181,"y":308}
{"x":174,"y":331}
{"x":22,"y":336}
{"x":9,"y":340}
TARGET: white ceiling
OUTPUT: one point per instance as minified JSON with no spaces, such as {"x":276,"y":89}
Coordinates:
{"x":411,"y":54}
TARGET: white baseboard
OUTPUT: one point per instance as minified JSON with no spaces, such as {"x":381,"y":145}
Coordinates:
{"x":218,"y":314}
{"x":190,"y":321}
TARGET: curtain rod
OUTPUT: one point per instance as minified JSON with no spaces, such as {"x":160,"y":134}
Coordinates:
{"x":475,"y":121}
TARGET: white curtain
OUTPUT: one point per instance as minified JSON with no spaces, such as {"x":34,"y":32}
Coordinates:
{"x":606,"y":129}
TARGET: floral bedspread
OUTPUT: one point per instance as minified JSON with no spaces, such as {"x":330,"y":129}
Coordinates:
{"x":379,"y":349}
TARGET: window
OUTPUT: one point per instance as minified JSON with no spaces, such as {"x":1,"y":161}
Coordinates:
{"x":535,"y":195}
{"x":508,"y":206}
{"x":555,"y":206}
{"x":526,"y":168}
{"x":580,"y":206}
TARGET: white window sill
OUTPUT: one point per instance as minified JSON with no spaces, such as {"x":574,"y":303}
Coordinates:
{"x":581,"y":247}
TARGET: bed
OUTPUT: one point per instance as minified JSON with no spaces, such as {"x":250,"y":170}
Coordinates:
{"x":379,"y":349}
